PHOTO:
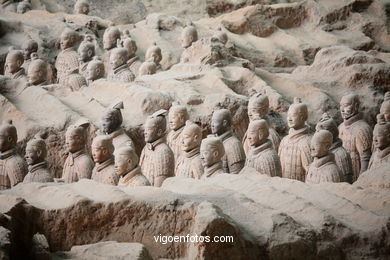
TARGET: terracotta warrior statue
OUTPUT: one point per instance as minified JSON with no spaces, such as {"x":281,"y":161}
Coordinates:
{"x":153,"y":54}
{"x":190,"y":165}
{"x":385,"y":107}
{"x":356,"y":134}
{"x":188,"y":36}
{"x":36,"y":153}
{"x":157,"y":159}
{"x":68,"y":59}
{"x":111,"y":125}
{"x":234,"y":158}
{"x":382,"y":143}
{"x":95,"y":70}
{"x":147,"y":68}
{"x":78,"y":164}
{"x":120,"y":71}
{"x":8,"y":5}
{"x":258,"y":108}
{"x":221,"y":36}
{"x":131,"y":46}
{"x":110,"y":40}
{"x":127,"y":167}
{"x":75,"y":80}
{"x":262,"y":156}
{"x":102,"y":153}
{"x":37,"y":72}
{"x":81,"y":7}
{"x":13,"y":168}
{"x":294,"y":150}
{"x":13,"y":65}
{"x":23,"y":6}
{"x":86,"y":52}
{"x":29,"y":47}
{"x":324,"y":167}
{"x":211,"y":152}
{"x":177,"y":117}
{"x":342,"y":157}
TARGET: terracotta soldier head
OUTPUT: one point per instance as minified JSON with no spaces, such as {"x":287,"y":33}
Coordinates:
{"x":381,"y":133}
{"x":178,"y":115}
{"x":385,"y":107}
{"x":153,"y":53}
{"x":8,"y":136}
{"x":147,"y":68}
{"x":95,"y":69}
{"x":221,"y":36}
{"x":37,"y":71}
{"x":328,"y":123}
{"x":211,"y":151}
{"x":36,"y":150}
{"x":29,"y":47}
{"x":297,"y":114}
{"x":118,"y":57}
{"x":102,"y":148}
{"x":155,"y":126}
{"x":68,"y":38}
{"x":349,"y":106}
{"x":191,"y":137}
{"x":76,"y":137}
{"x":112,"y":119}
{"x":14,"y":61}
{"x":126,"y":160}
{"x":258,"y":132}
{"x":221,"y":121}
{"x":23,"y":7}
{"x":81,"y":7}
{"x":86,"y":49}
{"x":129,"y":44}
{"x":110,"y":38}
{"x":258,"y":107}
{"x":320,"y":143}
{"x":188,"y":36}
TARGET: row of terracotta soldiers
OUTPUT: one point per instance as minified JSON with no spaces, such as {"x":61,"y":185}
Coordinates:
{"x":77,"y":64}
{"x":76,"y":69}
{"x":340,"y":153}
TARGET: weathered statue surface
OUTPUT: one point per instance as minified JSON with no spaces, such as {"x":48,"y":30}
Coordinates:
{"x":36,"y":153}
{"x":13,"y":65}
{"x":261,"y":155}
{"x":188,"y":36}
{"x":381,"y":143}
{"x":157,"y":159}
{"x":67,"y":60}
{"x":78,"y":164}
{"x":258,"y":108}
{"x":356,"y":134}
{"x":211,"y":152}
{"x":111,"y":125}
{"x":177,"y":117}
{"x":324,"y":167}
{"x":294,"y":150}
{"x":102,"y":153}
{"x":128,"y":168}
{"x":234,"y":158}
{"x":86,"y":52}
{"x":120,"y":70}
{"x":190,"y":164}
{"x":342,"y":157}
{"x":13,"y":168}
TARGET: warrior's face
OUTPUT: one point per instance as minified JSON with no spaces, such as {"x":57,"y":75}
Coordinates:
{"x":348,"y":107}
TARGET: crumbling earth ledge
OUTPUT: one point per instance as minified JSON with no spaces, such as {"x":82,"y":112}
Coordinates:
{"x":269,"y":218}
